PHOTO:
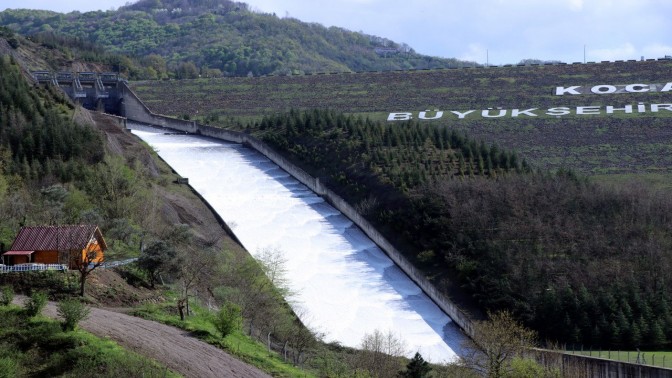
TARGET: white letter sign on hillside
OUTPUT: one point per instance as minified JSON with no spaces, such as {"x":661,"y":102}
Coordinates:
{"x":560,"y":91}
{"x":609,"y":89}
{"x":559,"y":111}
{"x":399,"y":117}
{"x":603,"y":89}
{"x":492,"y":113}
{"x":637,"y":88}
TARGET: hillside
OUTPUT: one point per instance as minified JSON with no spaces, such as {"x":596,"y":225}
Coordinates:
{"x":60,"y":164}
{"x":218,"y":37}
{"x":595,"y":144}
{"x":579,"y":262}
{"x":571,"y":258}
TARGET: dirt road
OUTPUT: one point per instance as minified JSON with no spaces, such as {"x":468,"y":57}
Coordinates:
{"x":169,"y":346}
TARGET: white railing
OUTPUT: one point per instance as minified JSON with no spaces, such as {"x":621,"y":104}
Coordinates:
{"x":113,"y":264}
{"x":31,"y":267}
{"x":38,"y":267}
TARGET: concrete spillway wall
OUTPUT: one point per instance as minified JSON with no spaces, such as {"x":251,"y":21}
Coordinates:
{"x":134,"y":109}
{"x":573,"y":365}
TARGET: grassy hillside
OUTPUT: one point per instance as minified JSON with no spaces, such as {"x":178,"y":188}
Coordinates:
{"x":37,"y":346}
{"x":616,"y":143}
{"x":186,"y":38}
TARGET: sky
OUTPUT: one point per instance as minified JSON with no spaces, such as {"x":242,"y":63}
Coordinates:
{"x":484,"y":31}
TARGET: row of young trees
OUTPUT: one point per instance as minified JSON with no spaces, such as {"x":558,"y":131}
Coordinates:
{"x":580,"y":263}
{"x":358,"y":154}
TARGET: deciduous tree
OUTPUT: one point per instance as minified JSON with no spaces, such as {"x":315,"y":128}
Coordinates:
{"x":381,"y":354}
{"x":159,"y":257}
{"x":91,"y":259}
{"x":495,"y":343}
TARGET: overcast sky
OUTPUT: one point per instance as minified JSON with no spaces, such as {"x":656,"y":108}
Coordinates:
{"x":501,"y":31}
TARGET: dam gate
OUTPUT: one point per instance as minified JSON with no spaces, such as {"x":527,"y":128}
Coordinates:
{"x":92,"y":90}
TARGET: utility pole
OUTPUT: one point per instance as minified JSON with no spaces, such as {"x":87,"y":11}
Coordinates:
{"x":584,"y":54}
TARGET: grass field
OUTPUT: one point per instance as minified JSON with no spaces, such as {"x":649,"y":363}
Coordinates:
{"x":654,"y":358}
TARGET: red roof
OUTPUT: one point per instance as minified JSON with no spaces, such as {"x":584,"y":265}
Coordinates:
{"x":18,"y":253}
{"x":53,"y":238}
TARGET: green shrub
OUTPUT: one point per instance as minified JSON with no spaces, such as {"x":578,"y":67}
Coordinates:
{"x":35,"y":304}
{"x":72,"y":311}
{"x":228,"y":319}
{"x":529,"y":368}
{"x":9,"y":368}
{"x":6,"y":296}
{"x":14,"y":43}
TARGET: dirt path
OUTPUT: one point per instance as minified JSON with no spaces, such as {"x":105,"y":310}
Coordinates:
{"x":170,"y":346}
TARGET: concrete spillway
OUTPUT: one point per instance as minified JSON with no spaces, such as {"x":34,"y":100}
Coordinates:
{"x":345,"y":285}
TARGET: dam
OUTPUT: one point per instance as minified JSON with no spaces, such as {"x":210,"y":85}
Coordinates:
{"x":345,"y":286}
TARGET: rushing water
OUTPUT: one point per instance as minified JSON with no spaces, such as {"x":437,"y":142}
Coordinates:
{"x":345,"y":285}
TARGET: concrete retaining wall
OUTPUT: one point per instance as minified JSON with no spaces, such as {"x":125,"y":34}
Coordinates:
{"x":121,"y":121}
{"x":603,"y":368}
{"x":573,"y":365}
{"x":134,"y":109}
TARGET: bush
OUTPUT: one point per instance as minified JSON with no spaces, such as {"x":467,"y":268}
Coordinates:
{"x":72,"y":311}
{"x":228,"y":319}
{"x":35,"y":304}
{"x":13,"y":42}
{"x":9,"y":368}
{"x":6,"y":296}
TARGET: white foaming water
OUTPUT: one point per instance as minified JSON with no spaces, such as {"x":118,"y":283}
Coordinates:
{"x":346,"y":286}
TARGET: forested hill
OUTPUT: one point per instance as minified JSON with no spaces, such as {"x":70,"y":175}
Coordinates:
{"x":220,"y":37}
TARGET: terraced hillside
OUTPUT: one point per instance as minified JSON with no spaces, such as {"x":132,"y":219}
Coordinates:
{"x":601,"y":143}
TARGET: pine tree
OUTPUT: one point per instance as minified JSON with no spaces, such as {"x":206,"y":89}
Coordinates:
{"x":416,"y":368}
{"x":635,"y":335}
{"x":656,"y":335}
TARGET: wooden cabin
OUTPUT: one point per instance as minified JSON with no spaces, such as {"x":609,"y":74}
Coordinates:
{"x":68,"y":245}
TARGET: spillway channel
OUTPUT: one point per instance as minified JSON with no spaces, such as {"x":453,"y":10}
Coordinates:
{"x":345,"y":285}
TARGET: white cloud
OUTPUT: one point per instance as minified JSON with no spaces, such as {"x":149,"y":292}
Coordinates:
{"x":475,"y":53}
{"x":656,"y":50}
{"x":576,"y":5}
{"x":623,"y":52}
